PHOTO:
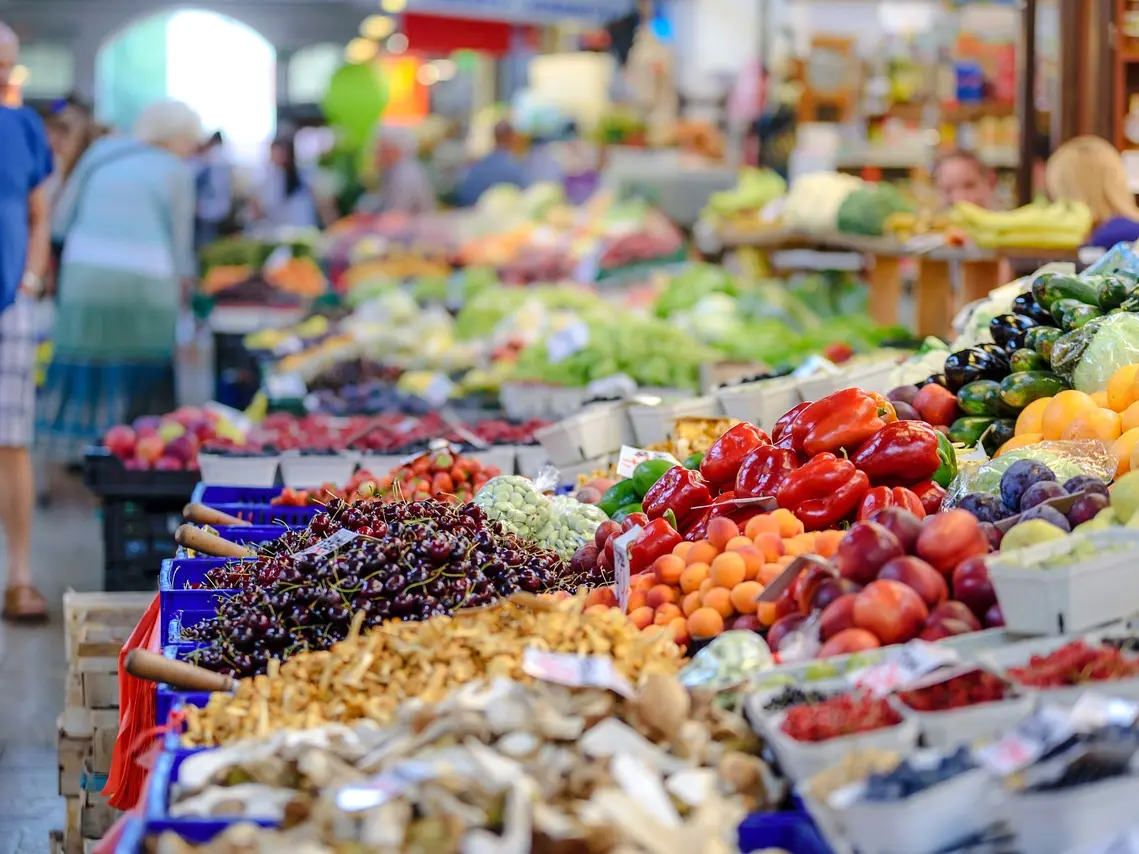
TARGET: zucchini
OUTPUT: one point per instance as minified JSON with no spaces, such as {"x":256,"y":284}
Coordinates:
{"x":967,"y":431}
{"x":999,"y":432}
{"x":1071,"y":314}
{"x":1041,"y":339}
{"x":981,"y":397}
{"x":1019,"y":390}
{"x":1026,"y":359}
{"x":1050,"y":288}
{"x":1112,"y":292}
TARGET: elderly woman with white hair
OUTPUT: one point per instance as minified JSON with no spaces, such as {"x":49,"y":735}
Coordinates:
{"x":405,"y":186}
{"x":125,"y":220}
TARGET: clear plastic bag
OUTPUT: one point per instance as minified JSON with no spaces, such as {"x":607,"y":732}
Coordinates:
{"x":1120,"y":259}
{"x":734,"y":658}
{"x":1113,"y":344}
{"x":1066,"y":459}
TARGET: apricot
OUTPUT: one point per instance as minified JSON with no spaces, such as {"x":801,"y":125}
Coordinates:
{"x":668,"y":569}
{"x":771,"y":545}
{"x":753,"y":560}
{"x":719,"y":599}
{"x":601,"y":596}
{"x":665,"y":614}
{"x":690,"y":603}
{"x":721,"y":530}
{"x":705,"y":586}
{"x":693,"y":576}
{"x":681,"y":549}
{"x":705,"y":623}
{"x":642,"y":581}
{"x":679,"y":629}
{"x":739,"y":543}
{"x":768,"y":573}
{"x":789,"y":524}
{"x":744,"y":595}
{"x":728,"y":570}
{"x":702,"y":551}
{"x":636,"y":599}
{"x":642,"y":617}
{"x":661,"y":594}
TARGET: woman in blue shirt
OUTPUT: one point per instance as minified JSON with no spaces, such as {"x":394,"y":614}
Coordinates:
{"x":25,"y":161}
{"x":1088,"y":169}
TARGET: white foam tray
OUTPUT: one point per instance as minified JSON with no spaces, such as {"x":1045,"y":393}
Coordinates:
{"x":762,"y":402}
{"x":801,"y":760}
{"x":972,"y":724}
{"x":652,"y":424}
{"x":303,"y":472}
{"x":1071,"y":819}
{"x":597,"y":431}
{"x":238,"y":471}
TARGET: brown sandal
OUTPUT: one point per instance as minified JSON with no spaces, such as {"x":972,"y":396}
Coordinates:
{"x":24,"y":604}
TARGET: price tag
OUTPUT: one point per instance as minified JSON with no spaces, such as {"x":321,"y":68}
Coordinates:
{"x":566,"y":341}
{"x":1034,"y":736}
{"x":903,"y":667}
{"x":1094,"y":710}
{"x":577,"y":671}
{"x":330,"y":544}
{"x":278,"y":258}
{"x":439,"y":390}
{"x":631,"y":457}
{"x":285,"y":387}
{"x":621,"y":565}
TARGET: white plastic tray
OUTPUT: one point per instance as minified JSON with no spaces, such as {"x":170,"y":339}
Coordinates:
{"x":803,"y":759}
{"x":652,"y":424}
{"x":1070,"y":819}
{"x":1016,"y":655}
{"x":531,"y":460}
{"x":871,"y":376}
{"x":569,"y":474}
{"x":762,"y":402}
{"x":820,"y":385}
{"x":1073,"y":598}
{"x":979,"y":722}
{"x":238,"y":471}
{"x":503,"y":457}
{"x":302,"y":472}
{"x":522,"y":401}
{"x":924,"y":823}
{"x":597,"y":431}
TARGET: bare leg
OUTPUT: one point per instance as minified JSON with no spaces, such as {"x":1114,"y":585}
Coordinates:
{"x":17,"y":499}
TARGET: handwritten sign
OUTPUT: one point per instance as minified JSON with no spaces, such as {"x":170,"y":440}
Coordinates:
{"x":576,"y":671}
{"x":622,"y":574}
{"x":631,"y":457}
{"x":903,"y":667}
{"x":331,"y":543}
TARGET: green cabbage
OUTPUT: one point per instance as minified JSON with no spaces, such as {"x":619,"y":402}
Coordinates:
{"x":1114,"y":344}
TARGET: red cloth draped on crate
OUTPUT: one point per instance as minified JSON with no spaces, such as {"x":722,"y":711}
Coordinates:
{"x":137,"y":709}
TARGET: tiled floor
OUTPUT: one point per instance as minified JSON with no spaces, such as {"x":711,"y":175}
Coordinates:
{"x":68,"y":550}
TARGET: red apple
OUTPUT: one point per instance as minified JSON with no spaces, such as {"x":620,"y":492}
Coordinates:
{"x":149,"y":449}
{"x":949,"y":537}
{"x":848,"y":641}
{"x":916,"y":573}
{"x":971,"y":585}
{"x":831,"y":589}
{"x":120,"y":441}
{"x":901,"y":523}
{"x":168,"y":464}
{"x":808,"y":583}
{"x":954,"y":610}
{"x":891,"y":610}
{"x":994,"y":617}
{"x":944,"y":629}
{"x":837,"y":617}
{"x":783,"y":627}
{"x":864,"y":549}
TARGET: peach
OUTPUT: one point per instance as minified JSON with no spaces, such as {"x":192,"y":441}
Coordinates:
{"x":705,"y":623}
{"x":661,"y":594}
{"x":721,"y":530}
{"x":641,"y":617}
{"x":728,"y":570}
{"x":692,"y":577}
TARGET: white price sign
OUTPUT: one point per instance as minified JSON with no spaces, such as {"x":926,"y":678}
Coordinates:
{"x":566,"y":341}
{"x":622,"y":574}
{"x":330,"y":544}
{"x":285,"y":386}
{"x":631,"y":457}
{"x":439,"y":390}
{"x":1093,"y":711}
{"x":1034,"y":736}
{"x":278,"y":258}
{"x":903,"y":667}
{"x":577,"y":671}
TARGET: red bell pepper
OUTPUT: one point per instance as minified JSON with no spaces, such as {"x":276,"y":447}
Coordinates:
{"x":787,"y":420}
{"x":901,"y":453}
{"x":727,"y":453}
{"x":886,"y":496}
{"x":679,"y":490}
{"x":931,"y":494}
{"x":840,"y":421}
{"x":763,"y":470}
{"x":824,"y":492}
{"x":656,"y":539}
{"x":632,"y":520}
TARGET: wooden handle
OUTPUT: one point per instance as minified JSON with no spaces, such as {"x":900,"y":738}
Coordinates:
{"x":201,"y":540}
{"x":200,"y":514}
{"x":152,"y":667}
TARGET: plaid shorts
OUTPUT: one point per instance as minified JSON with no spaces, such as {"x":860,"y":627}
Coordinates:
{"x":17,"y":374}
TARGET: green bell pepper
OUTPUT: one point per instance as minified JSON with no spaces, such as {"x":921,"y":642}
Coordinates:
{"x":948,"y":456}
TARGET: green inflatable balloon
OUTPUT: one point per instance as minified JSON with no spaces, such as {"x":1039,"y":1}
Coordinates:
{"x":356,"y":98}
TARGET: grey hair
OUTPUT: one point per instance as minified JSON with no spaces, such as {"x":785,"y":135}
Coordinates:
{"x":168,"y":121}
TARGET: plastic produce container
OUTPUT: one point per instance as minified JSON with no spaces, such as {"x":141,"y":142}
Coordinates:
{"x":593,"y":433}
{"x":1072,"y":598}
{"x":762,"y":402}
{"x":1017,"y":655}
{"x":803,"y":759}
{"x":872,"y":376}
{"x":226,"y":470}
{"x":269,"y":514}
{"x":819,"y":385}
{"x":214,"y":494}
{"x":502,"y":457}
{"x":301,"y":471}
{"x":531,"y":460}
{"x":523,"y":401}
{"x":653,"y":424}
{"x":1067,"y":820}
{"x":250,"y":535}
{"x":969,"y":725}
{"x":181,"y":573}
{"x":794,"y":832}
{"x":157,"y":812}
{"x":924,"y":823}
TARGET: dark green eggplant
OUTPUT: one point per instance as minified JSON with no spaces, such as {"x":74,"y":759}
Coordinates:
{"x":1027,"y":359}
{"x":1041,"y":339}
{"x":1050,"y":288}
{"x":966,"y":366}
{"x":1029,"y":307}
{"x":997,"y":433}
{"x":1008,"y":330}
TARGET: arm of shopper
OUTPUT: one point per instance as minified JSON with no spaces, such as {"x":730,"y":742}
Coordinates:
{"x":39,"y":233}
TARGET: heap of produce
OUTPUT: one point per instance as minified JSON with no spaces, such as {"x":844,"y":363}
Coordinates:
{"x":169,"y":442}
{"x":1075,"y":663}
{"x":410,"y":561}
{"x":527,"y":761}
{"x":908,"y":778}
{"x":866,"y":210}
{"x":561,"y":524}
{"x":838,"y":716}
{"x":425,"y":660}
{"x":755,"y":189}
{"x":1059,"y":225}
{"x":968,"y":689}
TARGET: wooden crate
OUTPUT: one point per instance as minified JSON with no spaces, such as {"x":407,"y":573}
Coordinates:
{"x":86,"y":738}
{"x":117,"y":610}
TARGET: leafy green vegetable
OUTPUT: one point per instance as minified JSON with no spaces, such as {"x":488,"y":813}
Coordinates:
{"x":865,"y":210}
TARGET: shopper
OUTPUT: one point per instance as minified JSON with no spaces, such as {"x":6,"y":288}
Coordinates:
{"x":126,"y":221}
{"x":498,"y":167}
{"x":405,"y":186}
{"x":25,"y":248}
{"x":285,"y":197}
{"x":71,"y":129}
{"x":961,"y":176}
{"x":214,"y":191}
{"x":1088,"y":169}
{"x":542,"y":164}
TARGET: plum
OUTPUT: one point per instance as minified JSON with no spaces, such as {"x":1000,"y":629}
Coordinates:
{"x":905,"y":412}
{"x":903,"y":394}
{"x":994,"y":534}
{"x":1086,"y":483}
{"x":901,"y":523}
{"x":1086,"y":507}
{"x":1039,"y":492}
{"x":1047,"y":514}
{"x":985,"y":507}
{"x":1018,"y":477}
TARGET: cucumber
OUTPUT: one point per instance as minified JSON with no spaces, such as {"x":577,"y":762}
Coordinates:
{"x":1050,"y":288}
{"x":1041,"y":339}
{"x":981,"y":397}
{"x":1112,"y":292}
{"x":1073,"y":315}
{"x":999,"y":432}
{"x":967,"y":431}
{"x":1025,"y":359}
{"x":1019,"y":390}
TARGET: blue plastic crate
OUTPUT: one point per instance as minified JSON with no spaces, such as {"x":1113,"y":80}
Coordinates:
{"x":246,"y":535}
{"x":794,"y":832}
{"x":269,"y":514}
{"x":131,"y":837}
{"x":157,"y":813}
{"x":181,"y":572}
{"x":185,"y":618}
{"x":167,"y":698}
{"x":210,"y":495}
